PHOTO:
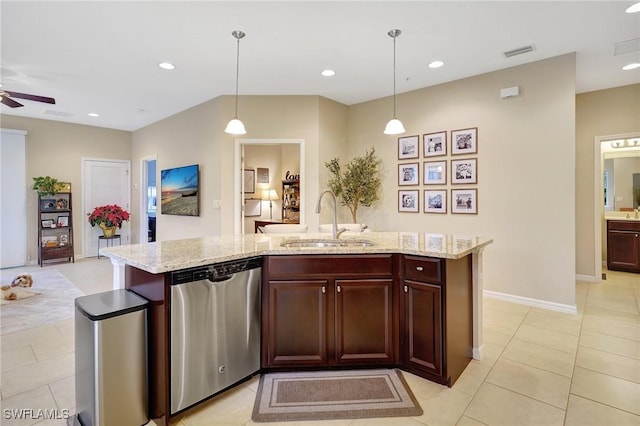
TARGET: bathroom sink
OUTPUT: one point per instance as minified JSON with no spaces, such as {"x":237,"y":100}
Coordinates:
{"x":319,"y":243}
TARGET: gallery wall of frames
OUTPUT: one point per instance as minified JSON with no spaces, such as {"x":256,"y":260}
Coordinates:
{"x":438,"y":173}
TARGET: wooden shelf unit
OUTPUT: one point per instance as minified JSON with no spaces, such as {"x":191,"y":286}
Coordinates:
{"x":55,"y":242}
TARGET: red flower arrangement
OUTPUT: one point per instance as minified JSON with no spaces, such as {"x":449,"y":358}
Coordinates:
{"x":108,"y":216}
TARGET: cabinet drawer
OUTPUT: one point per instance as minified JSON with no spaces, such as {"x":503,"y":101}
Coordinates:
{"x":623,"y":225}
{"x":344,"y":265}
{"x":57,"y":252}
{"x":425,"y":269}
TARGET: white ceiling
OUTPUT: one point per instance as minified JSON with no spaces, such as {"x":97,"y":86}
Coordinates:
{"x":100,"y":56}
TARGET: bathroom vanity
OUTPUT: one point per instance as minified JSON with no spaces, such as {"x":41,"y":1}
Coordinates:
{"x":623,"y":245}
{"x":407,"y":300}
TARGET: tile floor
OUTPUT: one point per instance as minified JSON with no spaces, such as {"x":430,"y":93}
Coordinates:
{"x":539,"y":367}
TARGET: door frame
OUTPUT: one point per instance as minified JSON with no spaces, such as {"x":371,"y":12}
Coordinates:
{"x":598,"y":205}
{"x":144,"y":184}
{"x":237,"y":175}
{"x":85,"y":211}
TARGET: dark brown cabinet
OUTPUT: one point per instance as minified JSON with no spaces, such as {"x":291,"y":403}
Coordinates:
{"x":623,"y":245}
{"x":55,"y":227}
{"x":437,"y":317}
{"x":328,"y":310}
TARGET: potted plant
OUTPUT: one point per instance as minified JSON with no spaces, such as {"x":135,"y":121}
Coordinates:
{"x":45,"y":185}
{"x":358,"y":183}
{"x":108,"y":218}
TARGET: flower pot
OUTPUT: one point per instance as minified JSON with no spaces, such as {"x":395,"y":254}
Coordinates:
{"x":107,"y":231}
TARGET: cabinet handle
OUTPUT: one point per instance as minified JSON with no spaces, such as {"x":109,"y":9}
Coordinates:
{"x":324,"y":289}
{"x":339,"y":289}
{"x":406,"y":289}
{"x":419,"y":268}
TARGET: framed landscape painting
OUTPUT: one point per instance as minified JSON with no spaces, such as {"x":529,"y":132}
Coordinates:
{"x":408,"y":147}
{"x":179,"y":188}
{"x":435,"y":201}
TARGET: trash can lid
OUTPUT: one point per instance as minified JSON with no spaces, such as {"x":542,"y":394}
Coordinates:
{"x":109,"y":304}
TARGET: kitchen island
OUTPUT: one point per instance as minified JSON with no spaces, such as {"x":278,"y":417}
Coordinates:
{"x":412,"y":300}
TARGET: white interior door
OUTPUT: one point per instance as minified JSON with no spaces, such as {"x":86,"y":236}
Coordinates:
{"x":104,"y":182}
{"x":13,"y":203}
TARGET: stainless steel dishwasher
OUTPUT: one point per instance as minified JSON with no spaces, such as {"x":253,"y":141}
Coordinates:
{"x":215,"y":329}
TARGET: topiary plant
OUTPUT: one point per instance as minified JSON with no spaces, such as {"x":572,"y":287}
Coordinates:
{"x":45,"y":185}
{"x":359,"y":183}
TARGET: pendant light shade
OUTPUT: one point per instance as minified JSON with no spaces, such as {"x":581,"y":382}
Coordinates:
{"x":394,"y":126}
{"x":235,"y":126}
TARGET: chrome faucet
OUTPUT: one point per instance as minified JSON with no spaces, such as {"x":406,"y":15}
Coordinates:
{"x":336,"y":232}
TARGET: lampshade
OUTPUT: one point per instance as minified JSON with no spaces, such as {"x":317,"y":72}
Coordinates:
{"x":394,"y":126}
{"x":273,"y":195}
{"x":235,"y":126}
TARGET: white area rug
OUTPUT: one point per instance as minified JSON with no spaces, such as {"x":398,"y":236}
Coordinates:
{"x":56,"y":303}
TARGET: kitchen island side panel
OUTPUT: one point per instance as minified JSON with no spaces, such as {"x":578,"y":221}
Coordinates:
{"x":152,"y":287}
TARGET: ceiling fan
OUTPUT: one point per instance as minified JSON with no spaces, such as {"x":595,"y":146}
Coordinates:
{"x":5,"y":98}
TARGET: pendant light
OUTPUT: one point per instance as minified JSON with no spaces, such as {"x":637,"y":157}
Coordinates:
{"x":235,"y":126}
{"x":394,"y":126}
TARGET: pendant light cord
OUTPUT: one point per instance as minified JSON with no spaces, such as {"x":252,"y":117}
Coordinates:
{"x":238,"y":74}
{"x":394,"y":76}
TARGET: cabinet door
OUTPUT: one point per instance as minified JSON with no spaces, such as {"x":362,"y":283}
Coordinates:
{"x":297,"y":323}
{"x":423,"y":327}
{"x":623,"y":250}
{"x":364,"y":321}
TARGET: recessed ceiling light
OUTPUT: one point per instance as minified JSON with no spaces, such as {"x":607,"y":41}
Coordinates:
{"x":633,"y":8}
{"x":328,"y":73}
{"x":436,"y":64}
{"x":632,"y":66}
{"x":166,"y":66}
{"x":93,"y":114}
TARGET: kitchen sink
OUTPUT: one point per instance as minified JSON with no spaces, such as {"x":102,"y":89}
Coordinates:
{"x":319,"y":243}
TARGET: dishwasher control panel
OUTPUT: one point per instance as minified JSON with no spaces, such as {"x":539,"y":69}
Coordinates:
{"x":215,"y":271}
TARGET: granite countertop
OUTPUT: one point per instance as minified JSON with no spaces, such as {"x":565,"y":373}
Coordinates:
{"x":165,"y":256}
{"x":622,"y":217}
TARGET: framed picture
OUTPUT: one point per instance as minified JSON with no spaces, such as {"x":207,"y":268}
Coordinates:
{"x":464,"y":201}
{"x":435,"y":172}
{"x":408,"y":174}
{"x":47,"y":204}
{"x":47,"y":223}
{"x":62,"y":221}
{"x":464,"y":171}
{"x":64,"y":239}
{"x":464,"y":141}
{"x":435,"y":201}
{"x":180,"y":188}
{"x":249,"y":176}
{"x":408,"y":147}
{"x":252,"y":207}
{"x":408,"y":201}
{"x":434,"y":144}
{"x":262,"y":175}
{"x":62,"y":204}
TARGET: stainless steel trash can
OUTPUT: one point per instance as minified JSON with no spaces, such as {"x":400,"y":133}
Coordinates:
{"x":111,"y":359}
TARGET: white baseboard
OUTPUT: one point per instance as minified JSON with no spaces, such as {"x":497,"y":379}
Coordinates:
{"x":588,"y":278}
{"x":552,"y":306}
{"x":477,"y":353}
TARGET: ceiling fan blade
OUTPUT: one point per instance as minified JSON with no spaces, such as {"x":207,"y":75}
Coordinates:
{"x":10,"y":102}
{"x":31,"y":97}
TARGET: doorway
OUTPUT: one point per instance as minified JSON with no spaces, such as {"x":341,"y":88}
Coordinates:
{"x":239,"y":166}
{"x":148,"y":199}
{"x":599,"y":194}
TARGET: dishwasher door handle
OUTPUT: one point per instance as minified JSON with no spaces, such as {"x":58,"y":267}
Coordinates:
{"x":216,"y":280}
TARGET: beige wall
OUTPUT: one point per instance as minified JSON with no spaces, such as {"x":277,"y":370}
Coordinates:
{"x":600,"y":113}
{"x":55,"y":148}
{"x":526,"y":178}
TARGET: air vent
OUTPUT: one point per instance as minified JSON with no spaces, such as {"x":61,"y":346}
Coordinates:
{"x":624,"y":47}
{"x":519,"y":51}
{"x":58,"y":113}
